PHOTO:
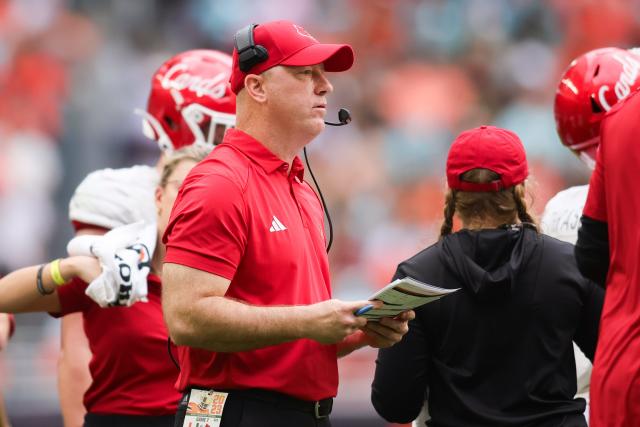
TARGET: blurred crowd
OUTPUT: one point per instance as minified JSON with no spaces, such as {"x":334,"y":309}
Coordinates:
{"x":73,"y":71}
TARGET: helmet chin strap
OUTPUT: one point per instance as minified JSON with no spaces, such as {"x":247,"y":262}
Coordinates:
{"x":153,"y":130}
{"x":587,"y":160}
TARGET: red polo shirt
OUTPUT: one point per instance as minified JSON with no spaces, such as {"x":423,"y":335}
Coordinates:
{"x":131,"y":371}
{"x":613,"y":198}
{"x":241,"y":215}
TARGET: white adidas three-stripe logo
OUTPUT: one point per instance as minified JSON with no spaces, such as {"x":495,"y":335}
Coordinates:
{"x":276,"y":225}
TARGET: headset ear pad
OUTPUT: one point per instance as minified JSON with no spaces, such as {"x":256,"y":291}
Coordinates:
{"x":251,"y":57}
{"x":261,"y":53}
{"x":249,"y":54}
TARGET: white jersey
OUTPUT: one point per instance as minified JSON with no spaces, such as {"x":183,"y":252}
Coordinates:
{"x":111,"y":198}
{"x":561,"y":219}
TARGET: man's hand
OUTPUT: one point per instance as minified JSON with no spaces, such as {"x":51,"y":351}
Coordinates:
{"x":331,"y":321}
{"x":388,"y":331}
{"x":87,"y":268}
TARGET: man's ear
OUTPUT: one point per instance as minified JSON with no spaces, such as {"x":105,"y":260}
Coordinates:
{"x":158,"y":196}
{"x":254,"y":85}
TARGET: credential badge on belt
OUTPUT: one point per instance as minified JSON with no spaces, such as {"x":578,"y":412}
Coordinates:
{"x":204,"y":408}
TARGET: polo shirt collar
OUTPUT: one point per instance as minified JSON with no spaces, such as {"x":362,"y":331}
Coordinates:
{"x":259,"y":154}
{"x":297,"y":169}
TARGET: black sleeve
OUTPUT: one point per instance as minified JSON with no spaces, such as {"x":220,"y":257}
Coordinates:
{"x":592,"y":250}
{"x":587,"y":333}
{"x":400,"y":381}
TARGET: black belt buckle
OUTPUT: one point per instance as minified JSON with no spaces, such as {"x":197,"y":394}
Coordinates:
{"x":322,"y":411}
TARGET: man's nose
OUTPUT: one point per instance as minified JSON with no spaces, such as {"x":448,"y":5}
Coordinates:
{"x":323,"y":85}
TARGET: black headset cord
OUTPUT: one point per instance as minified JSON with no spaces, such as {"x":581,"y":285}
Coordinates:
{"x":173,"y":359}
{"x":324,"y":204}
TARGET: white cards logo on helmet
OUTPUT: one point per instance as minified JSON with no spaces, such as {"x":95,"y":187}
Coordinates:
{"x":622,"y":88}
{"x":214,"y":87}
{"x":304,"y":32}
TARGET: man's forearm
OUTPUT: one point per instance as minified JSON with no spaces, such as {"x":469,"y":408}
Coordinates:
{"x":4,"y":418}
{"x":74,"y":377}
{"x":225,"y":325}
{"x":199,"y":315}
{"x":18,"y":292}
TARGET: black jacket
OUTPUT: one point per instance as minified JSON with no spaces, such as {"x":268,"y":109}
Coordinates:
{"x":499,"y":351}
{"x":592,"y":250}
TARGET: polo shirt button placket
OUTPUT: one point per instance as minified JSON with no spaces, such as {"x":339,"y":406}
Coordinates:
{"x":292,"y":178}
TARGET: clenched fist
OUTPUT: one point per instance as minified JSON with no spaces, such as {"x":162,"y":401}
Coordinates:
{"x":329,"y":322}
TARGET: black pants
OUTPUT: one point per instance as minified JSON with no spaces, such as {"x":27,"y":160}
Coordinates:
{"x":244,"y":411}
{"x":95,"y":420}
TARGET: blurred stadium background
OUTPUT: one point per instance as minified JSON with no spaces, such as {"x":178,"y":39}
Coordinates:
{"x":72,"y":71}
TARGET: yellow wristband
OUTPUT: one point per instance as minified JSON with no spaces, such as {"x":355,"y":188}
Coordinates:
{"x":55,"y":273}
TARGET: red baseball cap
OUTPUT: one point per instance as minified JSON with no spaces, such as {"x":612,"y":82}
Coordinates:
{"x":487,"y":147}
{"x":290,"y":44}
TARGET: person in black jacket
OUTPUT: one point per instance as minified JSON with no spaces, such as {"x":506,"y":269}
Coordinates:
{"x":499,"y":351}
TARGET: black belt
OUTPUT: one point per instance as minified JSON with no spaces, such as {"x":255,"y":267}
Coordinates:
{"x":319,"y":408}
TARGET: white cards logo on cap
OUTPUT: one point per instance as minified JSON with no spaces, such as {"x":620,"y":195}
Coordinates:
{"x":304,"y":32}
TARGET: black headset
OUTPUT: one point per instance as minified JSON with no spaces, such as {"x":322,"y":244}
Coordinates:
{"x":249,"y":54}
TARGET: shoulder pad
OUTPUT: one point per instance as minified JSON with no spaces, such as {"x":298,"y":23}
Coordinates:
{"x":109,"y":198}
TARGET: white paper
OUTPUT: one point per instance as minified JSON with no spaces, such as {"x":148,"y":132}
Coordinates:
{"x":402,"y":295}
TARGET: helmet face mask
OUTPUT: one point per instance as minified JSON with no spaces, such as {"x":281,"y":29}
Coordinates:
{"x":206,"y":125}
{"x":592,"y":84}
{"x":190,"y":100}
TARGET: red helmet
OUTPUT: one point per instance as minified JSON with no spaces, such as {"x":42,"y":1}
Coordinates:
{"x":592,"y":84}
{"x":190,"y":100}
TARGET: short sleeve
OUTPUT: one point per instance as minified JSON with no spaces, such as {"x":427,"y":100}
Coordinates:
{"x":596,"y":205}
{"x":72,"y":298}
{"x":207,"y":229}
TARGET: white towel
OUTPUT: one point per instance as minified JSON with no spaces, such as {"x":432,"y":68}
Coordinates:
{"x":125,"y":257}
